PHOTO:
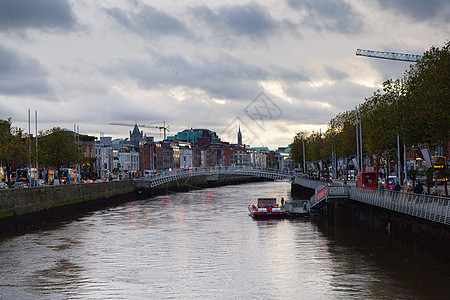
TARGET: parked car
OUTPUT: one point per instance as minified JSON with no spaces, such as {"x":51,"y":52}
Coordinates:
{"x":20,"y":185}
{"x":3,"y":186}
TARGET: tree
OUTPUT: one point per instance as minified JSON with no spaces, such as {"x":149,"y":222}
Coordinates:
{"x":412,"y":173}
{"x":58,"y":149}
{"x":426,"y":103}
{"x":381,"y":118}
{"x":417,"y":111}
{"x":13,"y":147}
{"x":429,"y":178}
{"x":297,"y":147}
{"x":271,"y":160}
{"x":443,"y":173}
{"x":343,"y":128}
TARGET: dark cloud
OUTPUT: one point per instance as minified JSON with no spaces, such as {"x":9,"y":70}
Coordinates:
{"x":224,"y":76}
{"x":334,"y":98}
{"x":148,"y":22}
{"x":419,"y":10}
{"x":42,"y":14}
{"x":335,"y":74}
{"x":21,"y":74}
{"x":250,"y":20}
{"x":330,"y":15}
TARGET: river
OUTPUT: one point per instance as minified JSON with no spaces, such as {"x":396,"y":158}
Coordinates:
{"x":203,"y":245}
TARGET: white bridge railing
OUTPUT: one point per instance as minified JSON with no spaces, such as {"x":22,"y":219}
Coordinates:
{"x":427,"y":207}
{"x":432,"y":208}
{"x":333,"y":191}
{"x":167,"y":177}
{"x":309,"y":183}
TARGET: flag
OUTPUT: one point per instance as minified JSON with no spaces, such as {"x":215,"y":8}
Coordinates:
{"x":355,"y":163}
{"x":426,"y":157}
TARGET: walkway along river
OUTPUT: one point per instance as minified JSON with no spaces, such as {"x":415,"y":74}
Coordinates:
{"x":203,"y":244}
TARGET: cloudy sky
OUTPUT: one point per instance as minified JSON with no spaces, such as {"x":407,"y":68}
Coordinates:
{"x":273,"y":67}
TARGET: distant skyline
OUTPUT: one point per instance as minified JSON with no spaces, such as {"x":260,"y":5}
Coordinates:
{"x":271,"y":67}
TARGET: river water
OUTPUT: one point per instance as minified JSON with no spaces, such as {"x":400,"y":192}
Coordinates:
{"x":203,"y":245}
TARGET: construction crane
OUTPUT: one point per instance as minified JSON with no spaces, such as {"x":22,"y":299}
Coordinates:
{"x":389,"y":55}
{"x":165,"y":127}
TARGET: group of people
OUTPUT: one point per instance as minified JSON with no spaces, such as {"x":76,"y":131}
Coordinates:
{"x":391,"y":186}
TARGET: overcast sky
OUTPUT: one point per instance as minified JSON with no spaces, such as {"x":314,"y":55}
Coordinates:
{"x":272,"y":67}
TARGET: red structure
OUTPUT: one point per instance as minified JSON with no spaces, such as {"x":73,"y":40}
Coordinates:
{"x":267,"y":208}
{"x":368,"y":178}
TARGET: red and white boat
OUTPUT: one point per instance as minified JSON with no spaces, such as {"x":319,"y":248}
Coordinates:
{"x":267,"y":208}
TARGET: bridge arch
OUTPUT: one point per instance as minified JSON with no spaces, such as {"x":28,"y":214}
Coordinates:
{"x":212,"y":174}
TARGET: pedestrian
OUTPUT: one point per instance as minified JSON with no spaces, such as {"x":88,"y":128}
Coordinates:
{"x":282,"y":202}
{"x":397,"y":187}
{"x":418,"y":189}
{"x":390,"y":186}
{"x":409,"y":189}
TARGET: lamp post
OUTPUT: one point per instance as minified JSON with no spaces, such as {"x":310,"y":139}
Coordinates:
{"x":304,"y":160}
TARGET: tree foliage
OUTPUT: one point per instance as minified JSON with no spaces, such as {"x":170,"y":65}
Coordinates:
{"x":426,"y":104}
{"x":13,"y":146}
{"x":297,"y":146}
{"x":417,"y":111}
{"x":58,"y":149}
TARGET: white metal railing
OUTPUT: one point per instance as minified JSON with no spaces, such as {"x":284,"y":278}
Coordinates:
{"x":428,"y":207}
{"x":334,"y":191}
{"x":166,"y":177}
{"x":338,"y":191}
{"x":313,"y":200}
{"x":312,"y":184}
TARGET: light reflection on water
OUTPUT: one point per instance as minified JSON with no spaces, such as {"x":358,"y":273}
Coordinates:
{"x":201,"y":244}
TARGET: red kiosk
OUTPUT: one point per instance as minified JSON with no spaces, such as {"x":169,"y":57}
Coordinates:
{"x":368,"y":178}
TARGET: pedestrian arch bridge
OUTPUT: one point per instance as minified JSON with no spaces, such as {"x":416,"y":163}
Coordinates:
{"x":211,"y":175}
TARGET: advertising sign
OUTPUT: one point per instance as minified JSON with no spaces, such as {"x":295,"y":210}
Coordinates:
{"x":322,"y":194}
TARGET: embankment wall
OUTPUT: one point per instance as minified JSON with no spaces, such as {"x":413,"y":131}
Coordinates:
{"x":417,"y":231}
{"x":26,"y":206}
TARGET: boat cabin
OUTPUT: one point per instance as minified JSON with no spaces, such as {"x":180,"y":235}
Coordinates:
{"x":267,"y":202}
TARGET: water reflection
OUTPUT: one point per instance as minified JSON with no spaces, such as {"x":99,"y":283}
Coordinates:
{"x":367,"y":259}
{"x":269,"y":222}
{"x":203,"y":244}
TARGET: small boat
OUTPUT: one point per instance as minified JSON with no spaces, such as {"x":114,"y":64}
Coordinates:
{"x":267,"y":208}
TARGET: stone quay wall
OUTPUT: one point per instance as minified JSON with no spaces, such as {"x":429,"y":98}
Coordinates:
{"x":19,"y":202}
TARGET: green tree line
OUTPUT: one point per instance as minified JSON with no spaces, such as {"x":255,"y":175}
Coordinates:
{"x":416,"y":109}
{"x":56,"y":148}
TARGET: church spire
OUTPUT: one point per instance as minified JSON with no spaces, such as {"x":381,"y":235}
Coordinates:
{"x":239,"y":136}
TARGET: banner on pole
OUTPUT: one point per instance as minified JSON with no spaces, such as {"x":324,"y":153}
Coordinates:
{"x":426,"y":157}
{"x":355,"y":163}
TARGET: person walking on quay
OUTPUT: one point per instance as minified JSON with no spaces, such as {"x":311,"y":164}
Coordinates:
{"x":390,"y":186}
{"x":418,"y":189}
{"x":397,"y":187}
{"x":409,"y":189}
